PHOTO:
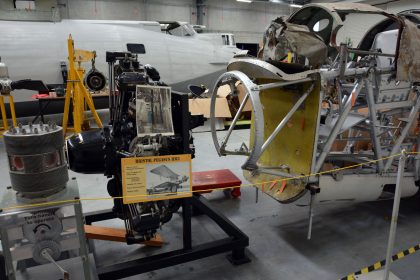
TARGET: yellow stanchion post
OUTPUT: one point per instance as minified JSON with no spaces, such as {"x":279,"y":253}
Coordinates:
{"x":3,"y":113}
{"x":12,"y":110}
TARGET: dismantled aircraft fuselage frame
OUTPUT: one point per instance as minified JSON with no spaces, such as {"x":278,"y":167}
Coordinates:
{"x":339,"y":125}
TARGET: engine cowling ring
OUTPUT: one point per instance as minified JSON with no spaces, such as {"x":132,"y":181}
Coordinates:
{"x":95,"y":80}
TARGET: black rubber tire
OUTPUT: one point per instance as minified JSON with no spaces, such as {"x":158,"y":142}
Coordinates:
{"x":95,"y":80}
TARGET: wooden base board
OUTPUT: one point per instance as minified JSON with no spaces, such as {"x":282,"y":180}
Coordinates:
{"x":117,"y":235}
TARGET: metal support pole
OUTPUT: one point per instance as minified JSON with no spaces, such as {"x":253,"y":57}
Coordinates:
{"x":200,"y":12}
{"x":10,"y":271}
{"x":403,"y":135}
{"x":332,"y":74}
{"x":256,"y":195}
{"x":417,"y":157}
{"x":111,"y":91}
{"x":233,"y":124}
{"x":186,"y":223}
{"x":70,"y":86}
{"x":82,"y":239}
{"x":340,"y":96}
{"x":3,"y":271}
{"x":357,"y":51}
{"x":395,"y":212}
{"x":45,"y":254}
{"x":374,"y":121}
{"x":342,"y":60}
{"x":339,"y":123}
{"x":281,"y":84}
{"x":311,"y":216}
{"x":313,"y":191}
{"x":274,"y":172}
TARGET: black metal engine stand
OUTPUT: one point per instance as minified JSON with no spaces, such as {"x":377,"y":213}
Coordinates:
{"x":234,"y":243}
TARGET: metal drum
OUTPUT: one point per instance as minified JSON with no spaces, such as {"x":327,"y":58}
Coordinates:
{"x":37,"y":163}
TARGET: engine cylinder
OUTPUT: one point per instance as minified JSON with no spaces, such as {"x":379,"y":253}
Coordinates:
{"x":37,"y":163}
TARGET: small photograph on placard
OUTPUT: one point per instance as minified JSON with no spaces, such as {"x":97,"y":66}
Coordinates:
{"x":168,"y":179}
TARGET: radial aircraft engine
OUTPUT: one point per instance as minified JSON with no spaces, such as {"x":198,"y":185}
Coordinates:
{"x":328,"y":118}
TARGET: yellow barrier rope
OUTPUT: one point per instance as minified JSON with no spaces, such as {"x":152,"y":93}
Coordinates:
{"x":50,"y":203}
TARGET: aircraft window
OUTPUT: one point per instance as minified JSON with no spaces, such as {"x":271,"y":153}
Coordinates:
{"x":310,"y":16}
{"x":321,"y":25}
{"x":225,"y":39}
{"x":136,"y":48}
{"x":232,"y":40}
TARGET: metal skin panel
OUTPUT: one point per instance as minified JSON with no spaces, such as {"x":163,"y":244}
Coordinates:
{"x":283,"y":37}
{"x":312,"y":13}
{"x":352,"y":120}
{"x":260,"y":69}
{"x":35,"y":49}
{"x":347,"y":7}
{"x":387,"y":42}
{"x":296,"y":154}
{"x":408,"y":63}
{"x":359,"y":188}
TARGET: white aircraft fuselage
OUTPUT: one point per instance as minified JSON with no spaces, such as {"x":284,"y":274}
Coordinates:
{"x":36,"y":49}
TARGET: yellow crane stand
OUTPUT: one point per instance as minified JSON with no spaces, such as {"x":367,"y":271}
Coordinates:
{"x":77,"y":92}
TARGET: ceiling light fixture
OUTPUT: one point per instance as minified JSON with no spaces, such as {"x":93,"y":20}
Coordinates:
{"x":245,"y":1}
{"x":293,"y":5}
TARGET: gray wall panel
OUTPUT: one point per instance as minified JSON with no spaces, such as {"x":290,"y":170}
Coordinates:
{"x":246,"y":21}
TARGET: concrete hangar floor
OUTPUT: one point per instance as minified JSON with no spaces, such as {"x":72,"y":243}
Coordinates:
{"x":345,"y":238}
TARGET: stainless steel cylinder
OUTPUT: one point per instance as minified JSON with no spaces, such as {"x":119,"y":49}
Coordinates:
{"x":37,"y":163}
{"x":4,"y":73}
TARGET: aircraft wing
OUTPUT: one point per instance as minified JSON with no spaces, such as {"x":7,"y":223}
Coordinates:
{"x":164,"y":171}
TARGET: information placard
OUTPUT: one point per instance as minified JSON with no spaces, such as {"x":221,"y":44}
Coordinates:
{"x":156,"y":178}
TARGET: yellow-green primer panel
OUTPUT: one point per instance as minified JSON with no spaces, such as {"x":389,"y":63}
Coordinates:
{"x":293,"y":146}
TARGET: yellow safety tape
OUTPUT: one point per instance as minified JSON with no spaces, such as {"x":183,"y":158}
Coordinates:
{"x":365,"y":270}
{"x":211,"y":189}
{"x":378,"y":265}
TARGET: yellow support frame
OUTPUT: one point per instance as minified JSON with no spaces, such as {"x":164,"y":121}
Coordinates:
{"x":4,"y":115}
{"x":295,"y":143}
{"x":77,"y":91}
